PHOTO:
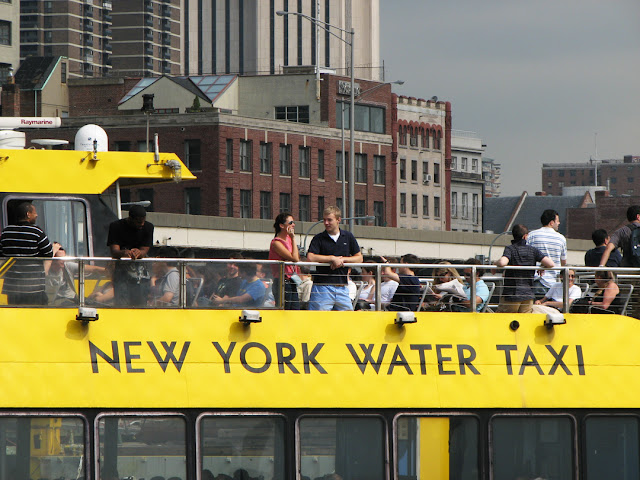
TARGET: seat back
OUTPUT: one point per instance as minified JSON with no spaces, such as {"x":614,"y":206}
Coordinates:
{"x":626,"y":289}
{"x":492,"y":287}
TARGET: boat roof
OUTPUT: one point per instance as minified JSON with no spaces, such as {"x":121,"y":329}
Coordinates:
{"x":76,"y":172}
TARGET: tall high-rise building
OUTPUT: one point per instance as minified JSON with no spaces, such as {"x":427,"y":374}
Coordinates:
{"x":9,"y":38}
{"x":249,"y":37}
{"x":104,"y":37}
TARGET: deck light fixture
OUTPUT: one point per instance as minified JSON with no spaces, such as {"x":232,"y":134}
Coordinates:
{"x":250,"y":316}
{"x":554,"y":319}
{"x":405,"y":317}
{"x":87,"y":314}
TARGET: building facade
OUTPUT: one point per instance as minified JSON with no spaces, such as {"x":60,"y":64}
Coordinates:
{"x":467,"y":183}
{"x":421,"y":145}
{"x":491,"y":173}
{"x":9,"y":37}
{"x":242,"y":37}
{"x":252,"y":160}
{"x":620,"y":176}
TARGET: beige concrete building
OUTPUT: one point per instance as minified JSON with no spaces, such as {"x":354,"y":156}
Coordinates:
{"x":248,"y":37}
{"x":9,"y":37}
{"x":422,"y":193}
{"x":467,"y":184}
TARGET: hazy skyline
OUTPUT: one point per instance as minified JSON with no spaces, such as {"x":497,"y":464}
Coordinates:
{"x":535,"y":80}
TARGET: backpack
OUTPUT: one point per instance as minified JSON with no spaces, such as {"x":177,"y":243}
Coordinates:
{"x":634,"y":245}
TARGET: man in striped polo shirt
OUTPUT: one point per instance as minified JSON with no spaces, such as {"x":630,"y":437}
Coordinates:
{"x":553,"y":245}
{"x":24,"y":283}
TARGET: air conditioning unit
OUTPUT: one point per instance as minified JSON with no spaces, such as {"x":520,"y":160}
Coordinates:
{"x":426,"y":178}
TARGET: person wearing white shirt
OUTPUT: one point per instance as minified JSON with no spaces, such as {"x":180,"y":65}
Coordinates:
{"x":553,"y":245}
{"x":554,"y":296}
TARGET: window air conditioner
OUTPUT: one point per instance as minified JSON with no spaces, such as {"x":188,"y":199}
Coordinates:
{"x":426,"y":178}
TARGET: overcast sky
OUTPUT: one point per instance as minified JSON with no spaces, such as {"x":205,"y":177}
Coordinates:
{"x":536,"y":80}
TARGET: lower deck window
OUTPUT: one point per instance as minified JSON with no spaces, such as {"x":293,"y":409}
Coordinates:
{"x":242,"y":447}
{"x":41,"y":447}
{"x":532,"y":447}
{"x":443,"y":447}
{"x":350,"y":447}
{"x":612,"y":447}
{"x":142,"y":447}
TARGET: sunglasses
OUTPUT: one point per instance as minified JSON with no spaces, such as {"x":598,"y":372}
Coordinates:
{"x":291,"y":223}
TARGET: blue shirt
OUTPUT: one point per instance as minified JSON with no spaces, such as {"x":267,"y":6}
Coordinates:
{"x":323,"y":244}
{"x":482,"y":291}
{"x":256,"y":290}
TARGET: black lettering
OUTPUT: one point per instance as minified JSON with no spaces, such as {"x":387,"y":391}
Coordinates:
{"x":466,"y":360}
{"x":259,"y":346}
{"x":128,"y":356}
{"x":442,"y":359}
{"x":558,"y":360}
{"x":399,"y":360}
{"x":368,"y":358}
{"x":310,"y":358}
{"x":286,"y":360}
{"x":421,"y":348}
{"x":530,"y":360}
{"x":226,"y":356}
{"x":95,"y":352}
{"x":169,"y":348}
{"x":580,"y":360}
{"x":507,"y":355}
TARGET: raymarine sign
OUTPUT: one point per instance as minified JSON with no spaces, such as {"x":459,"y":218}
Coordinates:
{"x":29,"y":122}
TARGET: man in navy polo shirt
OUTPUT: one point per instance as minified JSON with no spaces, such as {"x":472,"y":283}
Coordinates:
{"x":336,"y":247}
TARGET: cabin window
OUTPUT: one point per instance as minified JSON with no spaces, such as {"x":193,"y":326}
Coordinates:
{"x":41,"y":447}
{"x":612,"y":447}
{"x":254,"y":444}
{"x":437,"y":447}
{"x":136,"y":446}
{"x":532,"y":447}
{"x":64,"y":220}
{"x":352,"y":447}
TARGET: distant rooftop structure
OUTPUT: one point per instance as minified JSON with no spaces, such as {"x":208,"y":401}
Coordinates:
{"x":206,"y":86}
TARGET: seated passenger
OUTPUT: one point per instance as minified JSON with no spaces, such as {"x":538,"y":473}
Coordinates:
{"x":407,"y":295}
{"x":368,"y":292}
{"x":554,"y":296}
{"x":447,"y":280}
{"x":604,"y":300}
{"x":482,"y":290}
{"x":229,"y":284}
{"x":388,"y":286}
{"x":304,"y":289}
{"x":165,"y":282}
{"x":251,"y":293}
{"x":60,"y":284}
{"x":103,"y":293}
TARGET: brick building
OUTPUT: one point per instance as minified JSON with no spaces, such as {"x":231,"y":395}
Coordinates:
{"x":259,"y":145}
{"x":621,"y":176}
{"x":609,"y":212}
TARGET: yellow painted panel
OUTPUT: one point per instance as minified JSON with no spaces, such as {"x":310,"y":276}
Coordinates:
{"x":433,"y":448}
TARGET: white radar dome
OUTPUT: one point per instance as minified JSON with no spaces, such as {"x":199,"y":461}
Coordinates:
{"x":87,"y":134}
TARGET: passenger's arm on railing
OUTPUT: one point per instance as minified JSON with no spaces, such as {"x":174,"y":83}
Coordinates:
{"x":607,"y":251}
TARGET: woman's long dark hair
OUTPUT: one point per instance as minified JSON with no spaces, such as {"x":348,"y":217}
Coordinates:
{"x":280,"y":219}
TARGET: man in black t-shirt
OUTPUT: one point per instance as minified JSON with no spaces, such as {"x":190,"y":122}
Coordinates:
{"x":131,"y":238}
{"x":407,"y":296}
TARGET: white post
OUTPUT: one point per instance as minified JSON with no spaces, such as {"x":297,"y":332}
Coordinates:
{"x":352,"y":149}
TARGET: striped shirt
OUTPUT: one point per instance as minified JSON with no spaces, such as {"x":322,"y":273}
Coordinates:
{"x":553,"y":245}
{"x":25,"y":240}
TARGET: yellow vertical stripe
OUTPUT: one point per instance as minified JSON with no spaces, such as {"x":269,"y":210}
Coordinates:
{"x":433,"y":448}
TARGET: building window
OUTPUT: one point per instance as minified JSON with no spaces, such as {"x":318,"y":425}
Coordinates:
{"x":192,"y":155}
{"x":425,"y":170}
{"x":403,"y":204}
{"x":414,"y":170}
{"x":339,"y":172}
{"x":454,"y":204}
{"x":436,"y":173}
{"x":304,"y":162}
{"x":320,"y":207}
{"x":122,"y":146}
{"x":5,"y":32}
{"x":230,"y":154}
{"x":245,"y":203}
{"x":549,"y":173}
{"x":305,"y":208}
{"x":229,"y":199}
{"x":361,"y":168}
{"x":560,"y":184}
{"x":378,"y":170}
{"x":265,"y":157}
{"x":464,"y":165}
{"x":146,"y":195}
{"x":378,"y":212}
{"x":613,"y":179}
{"x":403,"y":169}
{"x":285,"y":202}
{"x":561,"y":173}
{"x":296,"y":113}
{"x":192,"y":201}
{"x":285,"y":160}
{"x":63,"y":72}
{"x":321,"y":164}
{"x":465,"y":206}
{"x":339,"y":205}
{"x":413,"y":138}
{"x":414,"y":204}
{"x":425,"y":139}
{"x":436,"y":207}
{"x":402,"y":135}
{"x":265,"y":205}
{"x":360,"y":211}
{"x":425,"y":205}
{"x":245,"y":156}
{"x":474,"y":164}
{"x":629,"y":179}
{"x":475,"y":210}
{"x":454,"y":163}
{"x":367,"y":118}
{"x":572,"y":173}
